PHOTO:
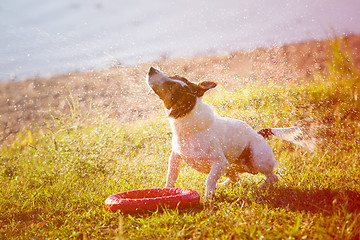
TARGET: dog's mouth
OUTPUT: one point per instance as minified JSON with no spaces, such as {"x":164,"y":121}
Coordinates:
{"x":162,"y":93}
{"x":155,"y":79}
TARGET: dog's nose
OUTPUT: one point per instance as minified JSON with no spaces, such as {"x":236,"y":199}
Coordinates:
{"x":152,"y":71}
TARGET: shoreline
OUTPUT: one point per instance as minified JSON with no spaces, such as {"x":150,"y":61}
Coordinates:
{"x":27,"y":104}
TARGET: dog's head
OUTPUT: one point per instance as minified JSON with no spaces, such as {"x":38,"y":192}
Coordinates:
{"x":178,"y":94}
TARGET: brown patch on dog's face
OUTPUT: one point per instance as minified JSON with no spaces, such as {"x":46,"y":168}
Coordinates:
{"x":178,"y":94}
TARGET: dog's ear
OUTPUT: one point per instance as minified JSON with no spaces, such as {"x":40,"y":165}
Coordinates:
{"x":206,"y":85}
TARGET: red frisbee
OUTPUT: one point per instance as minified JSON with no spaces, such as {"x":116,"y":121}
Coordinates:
{"x":151,"y":199}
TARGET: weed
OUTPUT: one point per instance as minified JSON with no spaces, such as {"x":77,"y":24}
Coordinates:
{"x":54,"y":184}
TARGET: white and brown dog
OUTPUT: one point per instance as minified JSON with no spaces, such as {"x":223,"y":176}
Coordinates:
{"x":208,"y":143}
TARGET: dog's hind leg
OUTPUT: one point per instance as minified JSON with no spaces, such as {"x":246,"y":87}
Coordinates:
{"x":232,"y":173}
{"x":263,"y":161}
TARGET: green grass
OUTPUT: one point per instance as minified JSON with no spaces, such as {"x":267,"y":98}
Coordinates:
{"x":54,"y":182}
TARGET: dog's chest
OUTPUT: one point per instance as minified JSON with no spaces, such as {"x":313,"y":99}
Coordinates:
{"x":197,"y":150}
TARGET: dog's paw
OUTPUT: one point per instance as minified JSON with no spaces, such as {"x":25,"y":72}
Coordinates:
{"x":209,"y":196}
{"x":224,"y":183}
{"x":270,"y":180}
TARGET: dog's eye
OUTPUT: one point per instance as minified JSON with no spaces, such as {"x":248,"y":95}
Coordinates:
{"x":172,"y":86}
{"x":169,"y":85}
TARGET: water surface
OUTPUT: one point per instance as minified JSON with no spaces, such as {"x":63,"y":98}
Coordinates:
{"x":47,"y":37}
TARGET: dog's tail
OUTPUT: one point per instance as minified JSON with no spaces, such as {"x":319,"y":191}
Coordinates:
{"x":291,"y":134}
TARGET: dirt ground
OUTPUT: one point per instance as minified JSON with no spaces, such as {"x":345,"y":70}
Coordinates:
{"x":27,"y":104}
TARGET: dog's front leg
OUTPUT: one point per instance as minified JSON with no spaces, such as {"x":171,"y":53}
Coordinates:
{"x":217,"y":170}
{"x":174,"y":169}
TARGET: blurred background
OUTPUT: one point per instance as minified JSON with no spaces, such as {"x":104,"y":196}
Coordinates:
{"x":47,"y":37}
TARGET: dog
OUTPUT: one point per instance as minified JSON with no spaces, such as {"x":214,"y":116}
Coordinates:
{"x":209,"y":143}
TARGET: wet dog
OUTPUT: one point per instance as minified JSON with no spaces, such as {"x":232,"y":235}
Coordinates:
{"x":209,"y":143}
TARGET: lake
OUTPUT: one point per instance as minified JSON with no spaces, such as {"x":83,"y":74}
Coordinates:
{"x":47,"y":37}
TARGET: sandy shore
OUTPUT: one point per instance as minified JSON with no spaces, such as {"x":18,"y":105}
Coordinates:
{"x":26,"y":104}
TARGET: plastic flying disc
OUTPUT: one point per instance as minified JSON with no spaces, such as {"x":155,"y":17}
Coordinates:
{"x":151,"y":199}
